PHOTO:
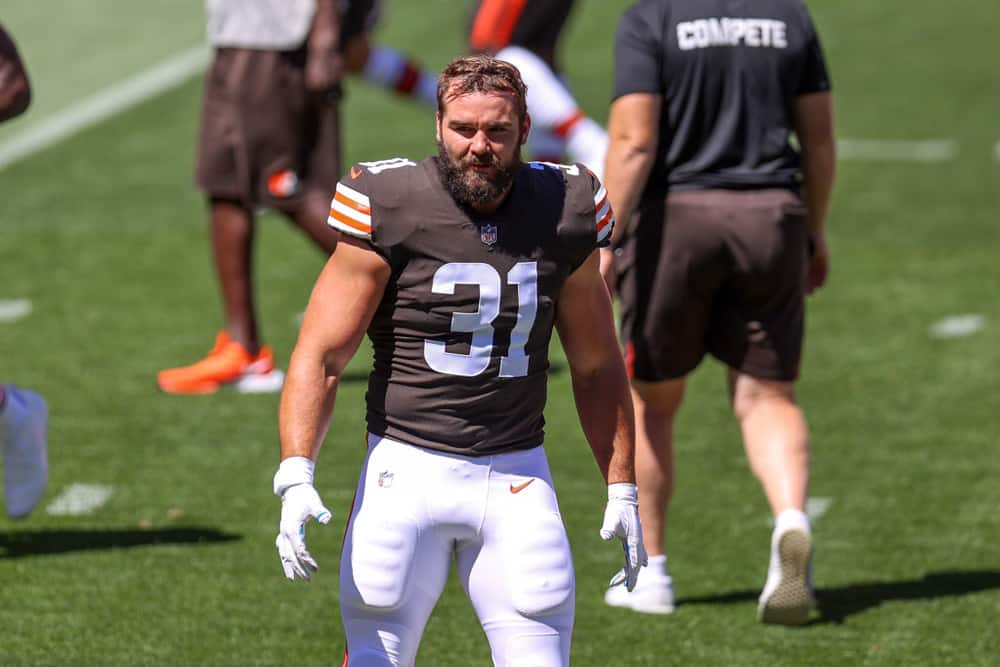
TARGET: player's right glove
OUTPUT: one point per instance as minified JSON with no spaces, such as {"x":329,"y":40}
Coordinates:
{"x":299,"y":503}
{"x":621,"y":520}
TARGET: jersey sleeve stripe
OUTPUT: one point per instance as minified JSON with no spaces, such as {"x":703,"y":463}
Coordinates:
{"x":342,"y":222}
{"x":600,"y":198}
{"x":353,"y":199}
{"x":605,"y":226}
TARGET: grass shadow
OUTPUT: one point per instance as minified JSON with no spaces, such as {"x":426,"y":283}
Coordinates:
{"x":835,"y":604}
{"x":19,"y":544}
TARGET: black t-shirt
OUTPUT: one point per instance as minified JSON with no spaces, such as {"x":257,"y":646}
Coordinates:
{"x":729,"y":72}
{"x":462,"y":332}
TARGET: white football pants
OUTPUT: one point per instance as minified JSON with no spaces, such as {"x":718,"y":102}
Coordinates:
{"x":414,"y":511}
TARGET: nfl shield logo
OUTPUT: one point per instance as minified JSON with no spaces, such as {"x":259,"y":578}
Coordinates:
{"x":385,"y":479}
{"x":488,"y":234}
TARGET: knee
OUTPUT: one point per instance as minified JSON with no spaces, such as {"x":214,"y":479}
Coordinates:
{"x":749,"y":393}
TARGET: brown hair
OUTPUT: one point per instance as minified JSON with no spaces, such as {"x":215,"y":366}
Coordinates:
{"x":481,"y":74}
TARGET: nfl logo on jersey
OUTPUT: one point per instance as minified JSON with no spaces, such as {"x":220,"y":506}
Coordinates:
{"x":385,"y":479}
{"x":488,"y":234}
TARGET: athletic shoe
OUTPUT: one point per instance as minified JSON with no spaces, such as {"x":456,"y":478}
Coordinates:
{"x":228,"y":363}
{"x":787,"y":596}
{"x":23,"y":423}
{"x":653,"y":594}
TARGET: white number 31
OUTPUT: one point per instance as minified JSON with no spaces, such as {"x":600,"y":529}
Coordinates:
{"x":480,"y":323}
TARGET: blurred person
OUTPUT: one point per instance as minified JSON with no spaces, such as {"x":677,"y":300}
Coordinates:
{"x":715,"y":251}
{"x":527,"y":35}
{"x":23,"y":413}
{"x":270,"y":137}
{"x":458,"y":267}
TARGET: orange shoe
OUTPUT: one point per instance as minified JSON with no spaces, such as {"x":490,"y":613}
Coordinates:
{"x":227,"y":363}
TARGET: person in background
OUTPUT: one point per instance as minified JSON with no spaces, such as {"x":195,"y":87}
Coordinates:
{"x":721,"y":235}
{"x":23,"y":413}
{"x":526,"y":34}
{"x":270,"y":138}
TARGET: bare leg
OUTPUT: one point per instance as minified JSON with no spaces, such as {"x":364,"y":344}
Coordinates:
{"x":311,"y":219}
{"x":775,"y":436}
{"x":656,"y":406}
{"x":232,"y":243}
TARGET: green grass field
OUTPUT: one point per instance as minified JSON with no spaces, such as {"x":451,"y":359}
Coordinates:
{"x":106,"y":237}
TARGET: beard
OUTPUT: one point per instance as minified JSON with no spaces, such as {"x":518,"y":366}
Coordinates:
{"x":472,"y":189}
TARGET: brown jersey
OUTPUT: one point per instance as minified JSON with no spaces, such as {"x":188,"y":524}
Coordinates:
{"x":462,"y":332}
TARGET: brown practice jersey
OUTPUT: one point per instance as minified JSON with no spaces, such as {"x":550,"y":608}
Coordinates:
{"x":462,"y":332}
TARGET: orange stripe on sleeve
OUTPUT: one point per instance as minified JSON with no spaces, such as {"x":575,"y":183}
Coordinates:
{"x":350,"y":203}
{"x":349,"y":222}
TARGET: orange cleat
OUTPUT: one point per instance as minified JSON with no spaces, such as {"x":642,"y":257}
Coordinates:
{"x":228,"y":363}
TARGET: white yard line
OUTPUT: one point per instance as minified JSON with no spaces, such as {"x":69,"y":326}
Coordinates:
{"x":115,"y":98}
{"x":884,"y":150}
{"x":77,"y":499}
{"x":12,"y":310}
{"x":817,"y":507}
{"x":958,"y":326}
{"x":996,"y":151}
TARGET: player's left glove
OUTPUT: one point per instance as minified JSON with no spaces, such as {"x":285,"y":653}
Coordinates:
{"x":299,"y":503}
{"x":621,"y":520}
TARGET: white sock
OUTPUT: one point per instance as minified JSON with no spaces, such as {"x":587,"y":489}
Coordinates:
{"x":657,"y":565}
{"x":393,"y":70}
{"x":792,"y":519}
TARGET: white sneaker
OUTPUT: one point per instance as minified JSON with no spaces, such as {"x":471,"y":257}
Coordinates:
{"x":787,"y":597}
{"x":23,"y":424}
{"x":653,"y":594}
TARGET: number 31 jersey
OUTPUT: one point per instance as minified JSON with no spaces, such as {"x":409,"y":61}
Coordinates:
{"x":462,"y":332}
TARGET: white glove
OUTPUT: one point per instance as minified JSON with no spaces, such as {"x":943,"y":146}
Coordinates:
{"x":299,"y":503}
{"x":621,"y":519}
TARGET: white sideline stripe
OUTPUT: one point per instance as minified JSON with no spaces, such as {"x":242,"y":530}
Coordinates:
{"x":957,"y":326}
{"x":79,"y":499}
{"x":996,"y":151}
{"x":929,"y":150}
{"x":173,"y":71}
{"x":13,"y":310}
{"x":817,"y":507}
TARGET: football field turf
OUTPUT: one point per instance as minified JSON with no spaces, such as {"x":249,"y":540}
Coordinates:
{"x":105,"y":237}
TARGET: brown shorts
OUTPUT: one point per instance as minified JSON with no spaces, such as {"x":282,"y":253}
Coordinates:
{"x":717,"y":271}
{"x":264,"y":140}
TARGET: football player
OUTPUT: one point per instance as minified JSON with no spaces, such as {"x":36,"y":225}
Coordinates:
{"x":458,"y":267}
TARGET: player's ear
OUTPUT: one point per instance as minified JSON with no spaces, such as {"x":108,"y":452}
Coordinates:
{"x":437,"y":125}
{"x":525,"y":128}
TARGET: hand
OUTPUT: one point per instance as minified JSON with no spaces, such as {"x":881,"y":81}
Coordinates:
{"x":324,"y":68}
{"x":621,"y":520}
{"x":299,"y":503}
{"x":817,"y":264}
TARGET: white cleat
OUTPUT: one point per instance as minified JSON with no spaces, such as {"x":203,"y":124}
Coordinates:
{"x":23,"y":425}
{"x":259,"y":383}
{"x":787,"y":597}
{"x":653,"y":594}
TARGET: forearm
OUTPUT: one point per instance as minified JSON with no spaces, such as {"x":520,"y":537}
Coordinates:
{"x":629,"y":164}
{"x":306,"y":405}
{"x":604,"y":404}
{"x":324,"y":34}
{"x":819,"y":163}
